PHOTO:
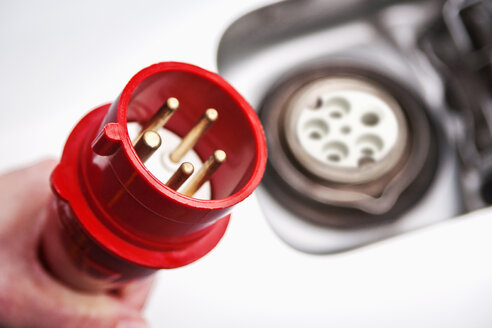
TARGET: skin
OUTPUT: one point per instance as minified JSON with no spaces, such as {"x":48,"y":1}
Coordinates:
{"x":29,"y":295}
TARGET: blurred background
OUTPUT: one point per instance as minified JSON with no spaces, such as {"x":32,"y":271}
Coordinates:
{"x":58,"y":60}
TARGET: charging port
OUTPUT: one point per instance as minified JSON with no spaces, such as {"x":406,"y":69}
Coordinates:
{"x":348,"y":146}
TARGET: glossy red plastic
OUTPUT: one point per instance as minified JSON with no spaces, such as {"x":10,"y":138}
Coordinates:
{"x":113,"y":221}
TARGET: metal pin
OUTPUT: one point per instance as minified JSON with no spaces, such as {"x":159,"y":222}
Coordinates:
{"x":180,"y":176}
{"x":160,"y":117}
{"x":192,"y":137}
{"x":147,"y":145}
{"x":205,"y":172}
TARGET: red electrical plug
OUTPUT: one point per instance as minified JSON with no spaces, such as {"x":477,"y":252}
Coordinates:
{"x":112,"y":219}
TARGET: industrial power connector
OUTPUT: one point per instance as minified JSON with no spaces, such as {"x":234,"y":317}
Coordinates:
{"x":148,"y":181}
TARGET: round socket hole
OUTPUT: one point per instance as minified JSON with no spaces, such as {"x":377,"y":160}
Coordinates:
{"x":334,"y":158}
{"x":366,"y":160}
{"x":316,"y":129}
{"x":335,"y":151}
{"x":317,"y":103}
{"x":370,"y":119}
{"x":345,"y":129}
{"x":337,"y":107}
{"x":367,"y":151}
{"x":371,"y":140}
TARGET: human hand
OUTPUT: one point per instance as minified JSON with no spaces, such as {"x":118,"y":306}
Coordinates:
{"x":31,"y":297}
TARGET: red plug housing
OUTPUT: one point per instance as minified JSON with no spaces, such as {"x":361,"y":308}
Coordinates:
{"x":111,"y":219}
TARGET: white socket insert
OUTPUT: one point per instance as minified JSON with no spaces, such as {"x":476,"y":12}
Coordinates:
{"x":348,"y":124}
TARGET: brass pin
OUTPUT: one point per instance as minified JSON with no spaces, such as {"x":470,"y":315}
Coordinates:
{"x":184,"y":171}
{"x":160,"y":117}
{"x":192,"y":137}
{"x":147,"y":145}
{"x":205,"y":172}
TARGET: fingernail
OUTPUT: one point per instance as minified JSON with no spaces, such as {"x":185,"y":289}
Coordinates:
{"x":131,"y":324}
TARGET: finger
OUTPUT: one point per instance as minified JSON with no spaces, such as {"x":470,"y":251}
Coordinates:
{"x":52,"y":304}
{"x":35,"y":172}
{"x":23,"y":193}
{"x":136,"y":293}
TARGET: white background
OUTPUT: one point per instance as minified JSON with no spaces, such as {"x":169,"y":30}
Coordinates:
{"x":60,"y":59}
